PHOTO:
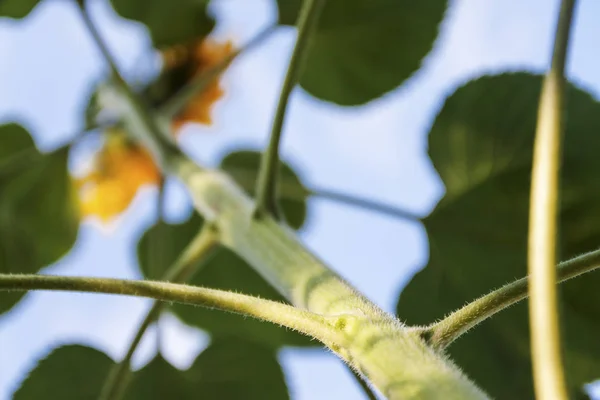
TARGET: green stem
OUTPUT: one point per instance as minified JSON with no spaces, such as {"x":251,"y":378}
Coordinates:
{"x":195,"y":254}
{"x":548,"y":372}
{"x":176,"y":103}
{"x":290,"y":190}
{"x":366,"y":204}
{"x":441,"y":334}
{"x":310,"y":324}
{"x":266,"y":189}
{"x":421,"y":372}
{"x":393,"y":357}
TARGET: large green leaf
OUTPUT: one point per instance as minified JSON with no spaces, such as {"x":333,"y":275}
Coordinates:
{"x":38,"y":217}
{"x":243,"y":167}
{"x":365,"y":48}
{"x":17,"y":8}
{"x":71,"y":372}
{"x":170,"y":22}
{"x":227,"y":369}
{"x":481,"y":144}
{"x":223,"y":271}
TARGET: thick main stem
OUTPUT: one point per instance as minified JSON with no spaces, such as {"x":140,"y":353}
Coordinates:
{"x":266,"y":188}
{"x":548,"y":373}
{"x":443,"y":333}
{"x":395,"y":359}
{"x":196,"y":253}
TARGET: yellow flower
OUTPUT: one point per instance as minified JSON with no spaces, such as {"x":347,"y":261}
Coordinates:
{"x":120,"y":169}
{"x":188,"y":61}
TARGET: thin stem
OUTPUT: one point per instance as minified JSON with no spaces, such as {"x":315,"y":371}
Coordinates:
{"x":162,"y":149}
{"x":180,"y":99}
{"x":441,"y":334}
{"x":194,"y":255}
{"x":292,"y":191}
{"x":266,"y":189}
{"x":367,"y":204}
{"x":548,"y":373}
{"x":317,"y":326}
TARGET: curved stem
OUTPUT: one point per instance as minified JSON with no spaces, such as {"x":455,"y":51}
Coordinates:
{"x":266,"y":189}
{"x":317,"y":326}
{"x":366,"y":204}
{"x":197,"y":252}
{"x":180,"y":99}
{"x":548,"y":373}
{"x":443,"y":333}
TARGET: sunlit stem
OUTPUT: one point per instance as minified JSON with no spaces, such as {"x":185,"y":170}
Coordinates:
{"x":548,"y":372}
{"x":441,"y":334}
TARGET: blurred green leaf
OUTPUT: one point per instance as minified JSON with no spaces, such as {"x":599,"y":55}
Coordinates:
{"x":170,"y":22}
{"x":38,"y":216}
{"x":224,"y":271}
{"x":227,"y":369}
{"x":481,"y":144}
{"x":243,"y":166}
{"x":71,"y":372}
{"x":230,"y":368}
{"x":17,"y":8}
{"x":365,"y":48}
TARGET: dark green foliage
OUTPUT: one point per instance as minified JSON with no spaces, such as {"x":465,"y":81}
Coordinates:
{"x":481,"y":144}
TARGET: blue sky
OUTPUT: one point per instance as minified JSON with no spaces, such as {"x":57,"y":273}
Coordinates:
{"x":378,"y":151}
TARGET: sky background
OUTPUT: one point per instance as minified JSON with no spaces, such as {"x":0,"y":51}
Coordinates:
{"x":377,"y":151}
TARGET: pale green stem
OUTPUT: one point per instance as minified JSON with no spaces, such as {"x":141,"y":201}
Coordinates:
{"x":266,"y":188}
{"x":548,"y":371}
{"x":443,"y":333}
{"x":391,"y":356}
{"x":195,"y":254}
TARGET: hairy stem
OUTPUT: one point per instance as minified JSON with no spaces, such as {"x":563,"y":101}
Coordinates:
{"x":441,"y":334}
{"x":266,"y":189}
{"x":175,"y":104}
{"x":311,"y":324}
{"x":391,"y":356}
{"x":548,"y":372}
{"x":195,"y":254}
